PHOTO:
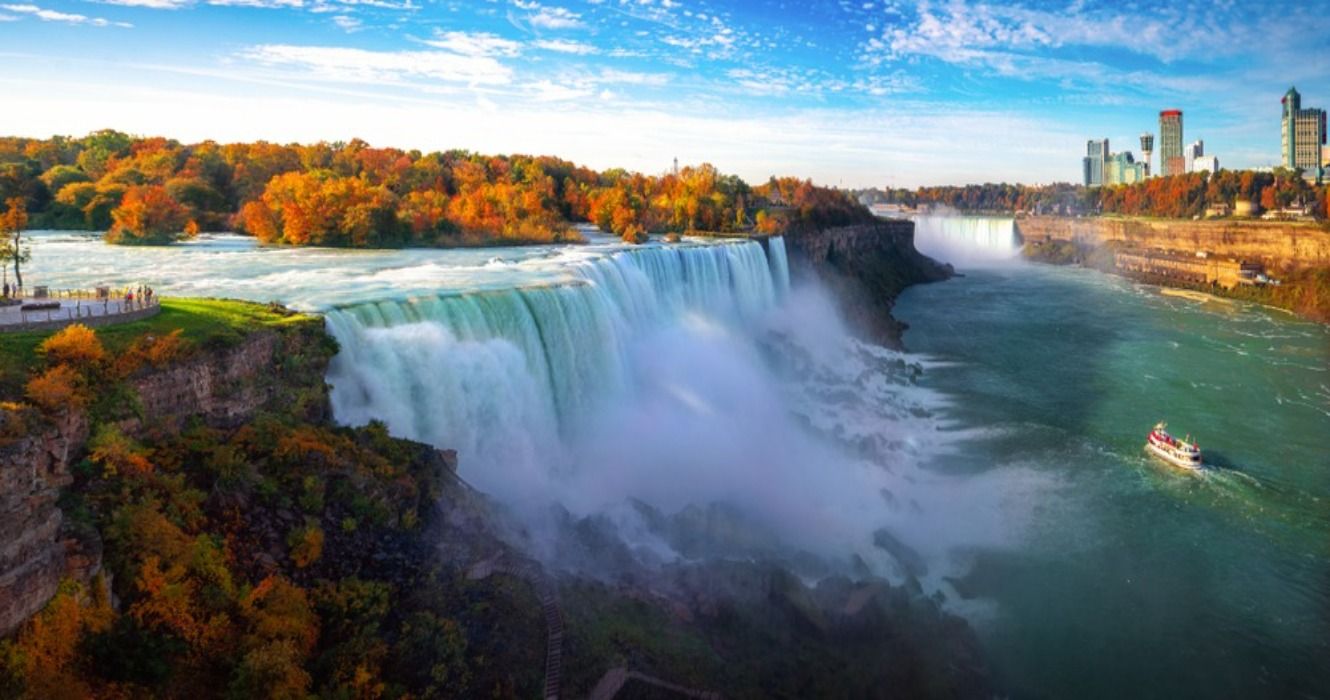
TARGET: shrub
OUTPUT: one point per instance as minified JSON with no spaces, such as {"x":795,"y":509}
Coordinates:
{"x":57,"y":389}
{"x":635,"y":234}
{"x":76,"y":345}
{"x":306,"y":545}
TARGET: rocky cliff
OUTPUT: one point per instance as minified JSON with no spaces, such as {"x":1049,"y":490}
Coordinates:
{"x":222,"y":385}
{"x":33,"y":469}
{"x":1276,"y":244}
{"x":866,"y":266}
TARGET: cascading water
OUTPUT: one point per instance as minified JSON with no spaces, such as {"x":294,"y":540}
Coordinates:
{"x":600,"y":376}
{"x":976,"y":241}
{"x":668,"y":375}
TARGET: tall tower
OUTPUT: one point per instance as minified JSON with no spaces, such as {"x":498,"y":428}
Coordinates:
{"x":1171,"y":161}
{"x":1302,"y":133}
{"x":1092,"y":165}
{"x":1147,"y":148}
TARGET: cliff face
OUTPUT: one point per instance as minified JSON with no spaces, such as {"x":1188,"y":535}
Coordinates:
{"x":1276,"y":244}
{"x":32,"y":549}
{"x":224,"y":386}
{"x":867,"y":266}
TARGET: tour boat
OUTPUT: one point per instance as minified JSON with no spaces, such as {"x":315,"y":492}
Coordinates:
{"x":1179,"y":453}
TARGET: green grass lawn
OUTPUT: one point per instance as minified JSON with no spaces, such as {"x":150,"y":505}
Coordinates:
{"x":207,"y":323}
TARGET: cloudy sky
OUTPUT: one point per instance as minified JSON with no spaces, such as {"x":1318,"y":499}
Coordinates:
{"x":865,"y":92}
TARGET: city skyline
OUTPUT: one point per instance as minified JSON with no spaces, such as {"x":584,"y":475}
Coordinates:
{"x":849,"y":93}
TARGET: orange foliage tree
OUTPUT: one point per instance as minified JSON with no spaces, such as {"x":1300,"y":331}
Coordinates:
{"x":148,"y":215}
{"x":75,"y":345}
{"x":58,"y":388}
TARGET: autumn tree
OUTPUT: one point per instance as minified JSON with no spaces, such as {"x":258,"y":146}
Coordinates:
{"x":76,"y":345}
{"x":149,"y":215}
{"x":12,"y":225}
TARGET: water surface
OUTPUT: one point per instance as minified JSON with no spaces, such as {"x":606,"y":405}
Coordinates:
{"x":1137,"y":579}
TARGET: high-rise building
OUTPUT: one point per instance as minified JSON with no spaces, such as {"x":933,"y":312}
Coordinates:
{"x":1092,"y":165}
{"x":1122,"y":169}
{"x":1205,"y":164}
{"x":1171,"y":161}
{"x":1302,"y":133}
{"x":1147,"y":147}
{"x":1194,"y":150}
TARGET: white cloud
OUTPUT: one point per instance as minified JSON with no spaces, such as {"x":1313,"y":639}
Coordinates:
{"x":563,"y":46}
{"x":347,"y":22}
{"x":8,"y":18}
{"x":153,"y":4}
{"x":555,"y":18}
{"x":65,"y":17}
{"x":610,"y":75}
{"x":261,"y":3}
{"x":548,"y":91}
{"x":362,"y":66}
{"x":475,"y":44}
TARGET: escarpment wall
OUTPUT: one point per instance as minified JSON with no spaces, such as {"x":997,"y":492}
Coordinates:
{"x":867,"y":266}
{"x":224,"y":386}
{"x":1276,"y":244}
{"x":33,"y":469}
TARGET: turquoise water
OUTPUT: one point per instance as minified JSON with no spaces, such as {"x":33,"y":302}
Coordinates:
{"x":1014,"y":470}
{"x":1134,"y":579}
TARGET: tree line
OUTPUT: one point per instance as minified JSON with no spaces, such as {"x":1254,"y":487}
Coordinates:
{"x":1177,"y":196}
{"x":156,"y":190}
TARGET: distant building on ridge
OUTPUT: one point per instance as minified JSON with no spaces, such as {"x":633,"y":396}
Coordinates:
{"x":1302,"y":133}
{"x":1194,"y":150}
{"x":1122,"y":169}
{"x":1092,"y":165}
{"x":1171,"y":160}
{"x":1147,"y":147}
{"x":1205,"y":164}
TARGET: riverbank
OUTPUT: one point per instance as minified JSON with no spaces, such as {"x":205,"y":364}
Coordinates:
{"x":1277,"y":245}
{"x":1297,"y":255}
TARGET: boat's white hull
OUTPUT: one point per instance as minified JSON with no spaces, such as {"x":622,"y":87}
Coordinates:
{"x":1171,"y":458}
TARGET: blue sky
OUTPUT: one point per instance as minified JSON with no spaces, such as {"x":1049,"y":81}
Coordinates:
{"x":870,"y":92}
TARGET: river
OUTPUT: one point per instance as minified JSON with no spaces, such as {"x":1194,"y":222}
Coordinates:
{"x":1136,"y":579}
{"x":999,"y":462}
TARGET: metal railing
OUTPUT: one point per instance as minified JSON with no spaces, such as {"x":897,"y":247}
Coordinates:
{"x":43,"y":306}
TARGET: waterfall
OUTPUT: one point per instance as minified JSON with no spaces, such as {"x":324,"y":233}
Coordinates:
{"x":967,"y":240}
{"x":505,"y":377}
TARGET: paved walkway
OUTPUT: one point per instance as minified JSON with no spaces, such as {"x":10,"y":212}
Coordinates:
{"x":91,"y":311}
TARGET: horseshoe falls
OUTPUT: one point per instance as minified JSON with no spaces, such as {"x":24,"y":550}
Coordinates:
{"x":968,"y":241}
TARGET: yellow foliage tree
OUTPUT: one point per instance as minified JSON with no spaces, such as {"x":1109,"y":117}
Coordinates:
{"x":57,"y":389}
{"x":75,"y":345}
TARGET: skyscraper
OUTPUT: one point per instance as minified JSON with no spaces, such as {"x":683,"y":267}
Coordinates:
{"x":1171,"y":161}
{"x":1092,"y":165}
{"x":1122,"y":169}
{"x":1147,"y":148}
{"x":1302,"y":133}
{"x":1194,"y":150}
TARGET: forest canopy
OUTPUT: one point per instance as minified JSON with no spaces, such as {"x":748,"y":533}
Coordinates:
{"x":157,"y":190}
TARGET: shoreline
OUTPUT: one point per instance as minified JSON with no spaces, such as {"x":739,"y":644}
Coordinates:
{"x":1298,"y":255}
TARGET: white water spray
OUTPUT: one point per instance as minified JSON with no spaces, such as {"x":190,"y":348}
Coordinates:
{"x":967,"y":241}
{"x":671,"y":375}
